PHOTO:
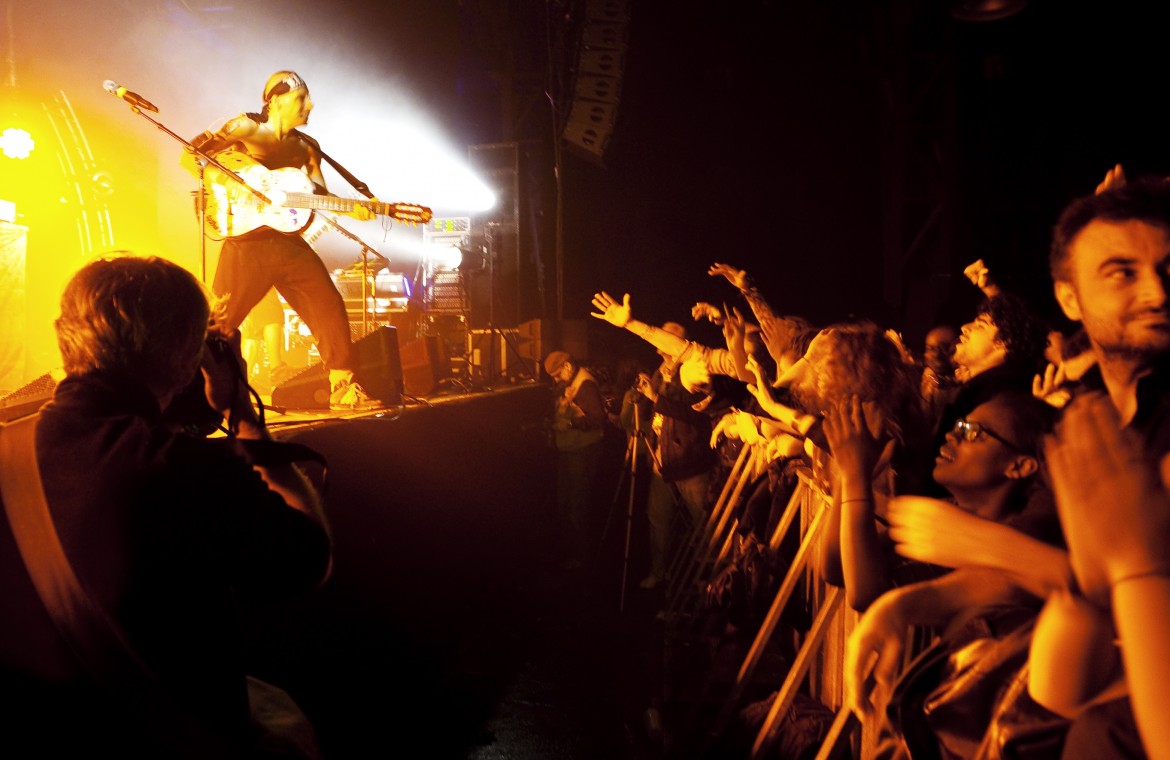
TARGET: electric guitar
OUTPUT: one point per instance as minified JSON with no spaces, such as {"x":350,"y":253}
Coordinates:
{"x":233,"y":210}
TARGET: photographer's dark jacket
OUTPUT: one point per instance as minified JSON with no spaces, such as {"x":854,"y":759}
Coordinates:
{"x":168,"y":532}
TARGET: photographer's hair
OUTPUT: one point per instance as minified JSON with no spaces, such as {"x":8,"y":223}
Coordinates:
{"x":1146,"y":199}
{"x":141,"y":317}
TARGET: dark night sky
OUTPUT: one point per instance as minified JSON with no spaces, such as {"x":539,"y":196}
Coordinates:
{"x":751,"y":131}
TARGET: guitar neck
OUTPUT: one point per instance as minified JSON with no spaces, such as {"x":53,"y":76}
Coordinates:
{"x":332,"y":203}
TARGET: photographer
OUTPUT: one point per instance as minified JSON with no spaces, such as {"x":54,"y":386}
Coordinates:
{"x":578,"y":426}
{"x":166,"y":532}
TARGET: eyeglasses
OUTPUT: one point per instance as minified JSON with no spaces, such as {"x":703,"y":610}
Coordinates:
{"x":973,"y":431}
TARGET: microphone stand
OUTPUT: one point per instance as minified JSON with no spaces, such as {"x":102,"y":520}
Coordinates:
{"x":199,"y":203}
{"x":366,"y":250}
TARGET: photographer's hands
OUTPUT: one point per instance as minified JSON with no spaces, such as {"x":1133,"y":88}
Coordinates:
{"x":224,"y":372}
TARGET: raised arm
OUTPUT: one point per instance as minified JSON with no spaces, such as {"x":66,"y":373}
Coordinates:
{"x":980,"y":276}
{"x":792,"y":420}
{"x":619,"y":314}
{"x":853,"y":553}
{"x":777,"y":330}
{"x":930,"y":530}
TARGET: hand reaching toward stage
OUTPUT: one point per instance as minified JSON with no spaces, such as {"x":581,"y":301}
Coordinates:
{"x":726,"y":427}
{"x":761,"y":386}
{"x":737,"y":277}
{"x":608,"y":309}
{"x":710,"y":312}
{"x":746,"y":424}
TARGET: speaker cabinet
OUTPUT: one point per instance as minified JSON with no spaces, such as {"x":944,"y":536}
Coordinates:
{"x":379,"y":370}
{"x":424,"y":364}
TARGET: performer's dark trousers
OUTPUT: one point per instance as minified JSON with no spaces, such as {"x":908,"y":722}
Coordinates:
{"x":250,"y":265}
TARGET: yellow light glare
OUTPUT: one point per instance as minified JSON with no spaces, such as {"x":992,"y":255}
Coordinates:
{"x":16,"y":143}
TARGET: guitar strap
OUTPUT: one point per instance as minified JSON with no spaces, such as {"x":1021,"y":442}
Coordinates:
{"x":358,"y":185}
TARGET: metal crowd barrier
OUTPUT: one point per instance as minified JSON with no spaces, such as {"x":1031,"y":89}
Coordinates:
{"x":819,"y":660}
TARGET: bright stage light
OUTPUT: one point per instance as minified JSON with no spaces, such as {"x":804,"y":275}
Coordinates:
{"x":16,"y":143}
{"x":405,"y":158}
{"x":445,"y":256}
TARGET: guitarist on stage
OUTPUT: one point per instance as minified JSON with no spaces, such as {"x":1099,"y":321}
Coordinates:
{"x":253,"y":262}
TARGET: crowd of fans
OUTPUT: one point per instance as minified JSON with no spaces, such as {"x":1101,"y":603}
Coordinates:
{"x":1000,"y":496}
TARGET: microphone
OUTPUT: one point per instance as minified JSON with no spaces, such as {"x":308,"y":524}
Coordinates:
{"x":133,"y":98}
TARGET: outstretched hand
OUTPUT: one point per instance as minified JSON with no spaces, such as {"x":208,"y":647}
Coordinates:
{"x":734,"y":326}
{"x":608,"y":308}
{"x":761,"y":387}
{"x":709,"y":312}
{"x":737,"y":277}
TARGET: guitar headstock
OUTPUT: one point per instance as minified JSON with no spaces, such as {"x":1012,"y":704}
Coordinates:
{"x":411,"y":213}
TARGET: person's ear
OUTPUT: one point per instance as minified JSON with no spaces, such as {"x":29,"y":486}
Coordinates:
{"x":1022,"y":466}
{"x":1066,"y":296}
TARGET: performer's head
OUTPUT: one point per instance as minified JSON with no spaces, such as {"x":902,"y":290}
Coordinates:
{"x":286,"y":94}
{"x":136,"y":317}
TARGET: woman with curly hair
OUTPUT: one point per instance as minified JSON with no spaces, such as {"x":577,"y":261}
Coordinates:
{"x":858,"y":378}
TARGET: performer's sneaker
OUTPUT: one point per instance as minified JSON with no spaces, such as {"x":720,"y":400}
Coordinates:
{"x":350,"y":396}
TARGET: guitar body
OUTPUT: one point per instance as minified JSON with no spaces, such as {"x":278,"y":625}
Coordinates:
{"x":232,"y":210}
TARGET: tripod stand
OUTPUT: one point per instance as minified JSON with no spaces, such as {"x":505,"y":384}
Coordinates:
{"x":630,"y":468}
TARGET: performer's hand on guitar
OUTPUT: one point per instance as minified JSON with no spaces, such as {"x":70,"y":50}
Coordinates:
{"x":362,"y":212}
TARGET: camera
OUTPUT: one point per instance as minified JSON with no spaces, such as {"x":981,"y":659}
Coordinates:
{"x":219,"y":347}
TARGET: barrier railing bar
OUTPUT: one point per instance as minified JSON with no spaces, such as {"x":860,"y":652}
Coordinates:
{"x":796,"y":673}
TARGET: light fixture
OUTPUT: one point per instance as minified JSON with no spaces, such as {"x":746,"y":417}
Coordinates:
{"x":979,"y":11}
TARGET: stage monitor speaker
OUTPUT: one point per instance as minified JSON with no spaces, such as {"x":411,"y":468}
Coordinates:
{"x":379,"y":370}
{"x":424,"y":364}
{"x":29,"y":398}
